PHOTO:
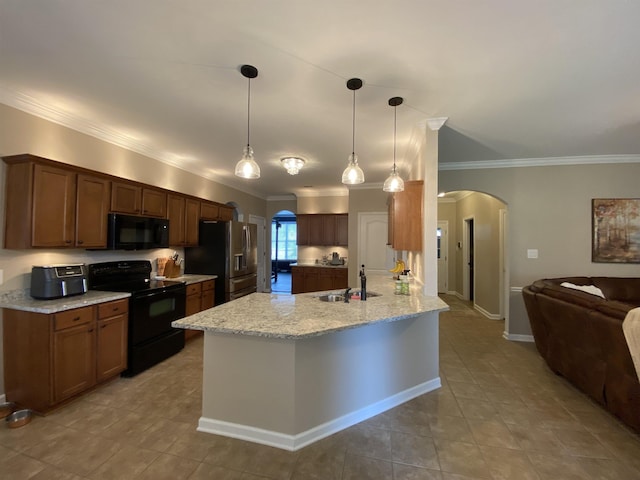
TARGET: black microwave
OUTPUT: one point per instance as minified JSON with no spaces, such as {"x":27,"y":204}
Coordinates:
{"x":128,"y":232}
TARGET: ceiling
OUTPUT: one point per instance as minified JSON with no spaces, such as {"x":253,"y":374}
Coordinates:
{"x":538,"y":79}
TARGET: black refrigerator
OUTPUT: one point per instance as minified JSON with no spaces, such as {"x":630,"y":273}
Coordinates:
{"x":228,"y":250}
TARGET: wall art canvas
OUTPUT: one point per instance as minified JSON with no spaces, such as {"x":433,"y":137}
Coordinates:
{"x":616,"y":230}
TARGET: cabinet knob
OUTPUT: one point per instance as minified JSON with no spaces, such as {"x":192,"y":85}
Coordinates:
{"x":91,"y":330}
{"x":67,"y":241}
{"x":75,"y":319}
{"x":103,"y":326}
{"x":80,"y":242}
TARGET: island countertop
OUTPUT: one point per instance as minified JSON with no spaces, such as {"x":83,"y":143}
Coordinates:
{"x":304,"y":315}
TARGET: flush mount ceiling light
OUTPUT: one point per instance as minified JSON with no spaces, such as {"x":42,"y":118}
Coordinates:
{"x":247,"y":166}
{"x":353,"y":174}
{"x":292,"y":164}
{"x":394,"y":182}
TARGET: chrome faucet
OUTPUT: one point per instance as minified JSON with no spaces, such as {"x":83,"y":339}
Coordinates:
{"x":346,"y":295}
{"x":363,"y":284}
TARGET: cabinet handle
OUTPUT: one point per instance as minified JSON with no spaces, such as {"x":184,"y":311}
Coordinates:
{"x":115,"y":309}
{"x":103,"y":326}
{"x":80,"y":242}
{"x":67,"y":241}
{"x":91,"y":330}
{"x":75,"y":319}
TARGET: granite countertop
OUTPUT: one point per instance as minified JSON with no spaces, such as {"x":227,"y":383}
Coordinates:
{"x":317,"y":265}
{"x":21,"y":300}
{"x":304,"y":315}
{"x":190,"y":278}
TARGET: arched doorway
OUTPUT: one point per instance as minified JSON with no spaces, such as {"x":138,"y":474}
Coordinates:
{"x":284,"y":250}
{"x":476,"y":266}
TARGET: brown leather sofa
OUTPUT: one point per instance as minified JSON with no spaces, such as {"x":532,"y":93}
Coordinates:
{"x":580,"y":337}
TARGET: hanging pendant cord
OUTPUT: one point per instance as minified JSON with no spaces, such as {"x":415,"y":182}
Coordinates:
{"x":395,"y":123}
{"x":248,"y":110}
{"x":353,"y":140}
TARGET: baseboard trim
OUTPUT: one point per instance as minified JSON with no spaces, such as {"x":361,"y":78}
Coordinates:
{"x":514,"y":337}
{"x":300,"y":440}
{"x":490,"y":316}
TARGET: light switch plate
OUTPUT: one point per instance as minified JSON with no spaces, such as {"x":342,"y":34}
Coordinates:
{"x":532,"y":253}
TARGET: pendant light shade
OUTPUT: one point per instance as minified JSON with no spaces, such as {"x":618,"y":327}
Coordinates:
{"x":394,"y":182}
{"x":353,"y":174}
{"x":247,"y":166}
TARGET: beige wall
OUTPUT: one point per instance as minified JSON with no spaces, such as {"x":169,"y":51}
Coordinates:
{"x":24,"y":133}
{"x":549,"y":210}
{"x":447,"y":212}
{"x":485,"y":211}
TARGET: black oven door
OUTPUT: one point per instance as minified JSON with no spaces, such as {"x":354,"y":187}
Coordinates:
{"x":151,"y":313}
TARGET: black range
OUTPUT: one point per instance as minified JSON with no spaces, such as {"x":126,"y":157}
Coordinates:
{"x":153,"y":305}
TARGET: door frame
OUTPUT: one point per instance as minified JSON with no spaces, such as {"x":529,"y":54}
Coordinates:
{"x":261,"y":251}
{"x":466,"y":255}
{"x":444,"y":250}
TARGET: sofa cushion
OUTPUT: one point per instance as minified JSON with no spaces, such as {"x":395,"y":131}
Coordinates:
{"x":622,"y":289}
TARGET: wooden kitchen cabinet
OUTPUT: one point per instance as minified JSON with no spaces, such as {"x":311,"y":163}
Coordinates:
{"x":74,"y":361}
{"x":135,"y":199}
{"x":48,"y":206}
{"x":316,"y":279}
{"x":209,"y":211}
{"x":111,"y":331}
{"x":225,"y":213}
{"x":126,"y":198}
{"x":184,"y":216}
{"x":92,"y":206}
{"x":50,"y":358}
{"x":323,"y":229}
{"x":405,"y":220}
{"x":200,"y":296}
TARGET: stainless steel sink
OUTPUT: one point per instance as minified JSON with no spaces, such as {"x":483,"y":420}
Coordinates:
{"x":332,"y":297}
{"x":338,"y":297}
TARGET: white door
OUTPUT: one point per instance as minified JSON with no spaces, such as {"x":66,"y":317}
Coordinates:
{"x":443,"y":256}
{"x":373,"y":251}
{"x":262,"y":252}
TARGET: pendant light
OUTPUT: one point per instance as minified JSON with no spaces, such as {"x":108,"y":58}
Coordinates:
{"x":247,"y":166}
{"x":394,"y":182}
{"x":353,"y":174}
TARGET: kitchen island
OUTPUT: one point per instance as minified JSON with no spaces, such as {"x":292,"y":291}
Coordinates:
{"x":288,"y":370}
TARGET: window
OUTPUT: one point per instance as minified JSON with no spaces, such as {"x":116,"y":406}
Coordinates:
{"x":283,"y":240}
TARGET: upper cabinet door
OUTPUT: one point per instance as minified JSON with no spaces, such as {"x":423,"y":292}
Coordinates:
{"x":209,"y":211}
{"x":192,"y":219}
{"x":126,"y":198}
{"x":154,"y":203}
{"x":54,"y":205}
{"x":176,"y":216}
{"x":92,"y":207}
{"x":407,"y":217}
{"x":342,"y":230}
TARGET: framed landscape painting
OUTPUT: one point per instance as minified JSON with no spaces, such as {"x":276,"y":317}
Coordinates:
{"x":616,"y":230}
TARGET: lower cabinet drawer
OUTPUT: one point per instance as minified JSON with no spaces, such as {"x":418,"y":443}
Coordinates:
{"x":73,"y":318}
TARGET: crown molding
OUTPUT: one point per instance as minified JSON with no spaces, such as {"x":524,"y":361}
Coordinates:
{"x":323,"y":192}
{"x":281,"y":198}
{"x":540,"y":162}
{"x":436,"y":123}
{"x":367,"y":186}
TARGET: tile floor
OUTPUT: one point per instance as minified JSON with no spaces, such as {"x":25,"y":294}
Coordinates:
{"x":500,"y":415}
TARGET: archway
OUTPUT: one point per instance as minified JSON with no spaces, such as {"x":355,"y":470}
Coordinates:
{"x":284,"y":250}
{"x":477,"y":244}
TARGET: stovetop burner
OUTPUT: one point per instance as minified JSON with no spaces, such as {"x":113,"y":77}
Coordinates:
{"x":127,"y":276}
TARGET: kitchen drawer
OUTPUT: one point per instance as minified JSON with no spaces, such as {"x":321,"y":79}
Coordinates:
{"x":208,"y":285}
{"x":111,"y":309}
{"x":194,"y":289}
{"x":73,"y":318}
